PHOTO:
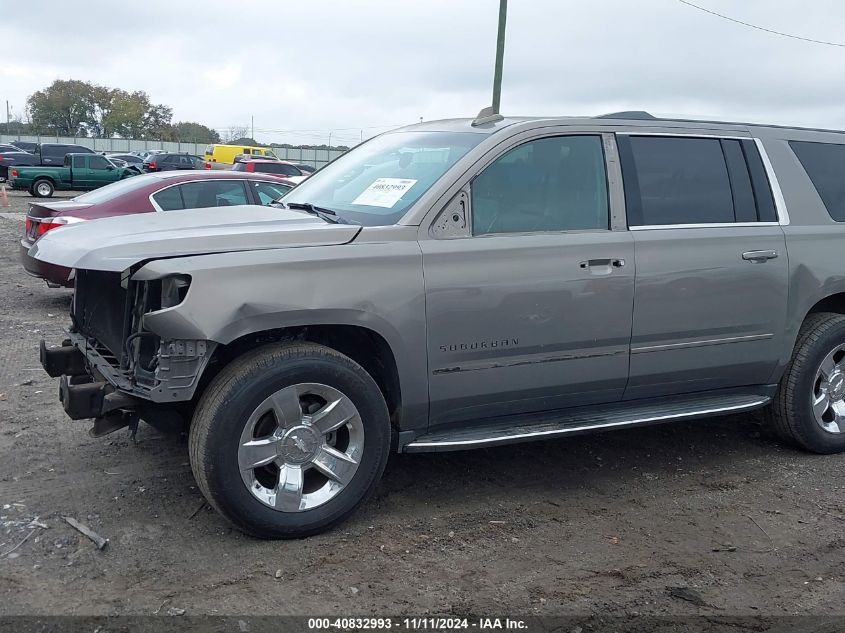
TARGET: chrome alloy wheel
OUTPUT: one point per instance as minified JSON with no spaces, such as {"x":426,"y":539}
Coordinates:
{"x":301,"y":447}
{"x":829,"y":392}
{"x":43,"y":189}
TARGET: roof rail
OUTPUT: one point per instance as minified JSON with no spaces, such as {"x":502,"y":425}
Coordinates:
{"x":637,"y":115}
{"x":487,"y":115}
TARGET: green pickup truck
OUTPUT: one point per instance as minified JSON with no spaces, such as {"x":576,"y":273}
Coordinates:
{"x":80,"y":171}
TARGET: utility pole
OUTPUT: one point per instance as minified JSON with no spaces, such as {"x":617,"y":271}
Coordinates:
{"x":252,"y":119}
{"x":8,"y":116}
{"x":500,"y":56}
{"x":330,"y":139}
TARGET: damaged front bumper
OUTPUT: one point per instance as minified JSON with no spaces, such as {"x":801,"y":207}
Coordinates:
{"x":92,"y":384}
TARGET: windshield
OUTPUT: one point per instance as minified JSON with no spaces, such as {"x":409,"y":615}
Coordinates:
{"x":112,"y":191}
{"x":375,"y":183}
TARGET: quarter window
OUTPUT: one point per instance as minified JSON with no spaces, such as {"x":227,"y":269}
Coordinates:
{"x":825,"y":165}
{"x":169,"y":199}
{"x":551,"y":184}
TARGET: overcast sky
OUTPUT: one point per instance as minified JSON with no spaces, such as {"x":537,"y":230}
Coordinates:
{"x":303,"y":69}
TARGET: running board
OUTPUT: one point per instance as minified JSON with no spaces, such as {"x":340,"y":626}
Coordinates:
{"x":558,"y":423}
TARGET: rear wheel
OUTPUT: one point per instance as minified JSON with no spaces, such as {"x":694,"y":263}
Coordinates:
{"x":289,"y":440}
{"x":42,"y":188}
{"x":809,"y":408}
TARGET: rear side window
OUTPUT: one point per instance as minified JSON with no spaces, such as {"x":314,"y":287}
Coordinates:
{"x":677,"y":180}
{"x":213,"y":193}
{"x":53,"y":151}
{"x":825,"y":165}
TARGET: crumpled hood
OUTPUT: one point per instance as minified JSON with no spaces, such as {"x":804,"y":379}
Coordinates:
{"x":115,"y":244}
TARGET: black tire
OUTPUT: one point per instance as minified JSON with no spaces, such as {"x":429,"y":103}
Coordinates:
{"x":791,"y":414}
{"x":46,"y":185}
{"x":228,"y":401}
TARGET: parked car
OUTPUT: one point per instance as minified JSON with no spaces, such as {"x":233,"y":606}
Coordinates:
{"x":306,"y":169}
{"x":167,"y":191}
{"x":53,"y":154}
{"x":171,"y":161}
{"x":264,"y":166}
{"x":460,"y":284}
{"x":119,"y":162}
{"x":12,"y":159}
{"x":132,"y":159}
{"x":221,"y":153}
{"x":80,"y":171}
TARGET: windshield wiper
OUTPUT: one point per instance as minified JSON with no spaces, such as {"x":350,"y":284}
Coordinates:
{"x":321,"y":212}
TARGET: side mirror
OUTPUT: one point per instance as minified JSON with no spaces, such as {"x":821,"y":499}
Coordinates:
{"x":110,"y":167}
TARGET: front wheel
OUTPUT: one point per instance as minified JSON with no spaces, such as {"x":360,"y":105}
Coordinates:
{"x":42,"y":188}
{"x":809,"y":408}
{"x":289,"y":440}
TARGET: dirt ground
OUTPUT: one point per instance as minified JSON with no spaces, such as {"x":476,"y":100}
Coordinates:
{"x":709,"y":517}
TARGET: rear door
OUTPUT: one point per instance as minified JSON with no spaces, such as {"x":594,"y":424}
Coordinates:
{"x":531,"y":310}
{"x":711,"y":286}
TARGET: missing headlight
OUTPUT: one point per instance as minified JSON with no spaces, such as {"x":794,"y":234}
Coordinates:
{"x":174,"y":289}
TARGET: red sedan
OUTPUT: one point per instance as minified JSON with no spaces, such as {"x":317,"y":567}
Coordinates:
{"x":148,"y":193}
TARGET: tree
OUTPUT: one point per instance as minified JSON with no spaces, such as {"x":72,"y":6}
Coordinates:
{"x":192,"y":132}
{"x":244,"y":140}
{"x":235,"y":133}
{"x":133,"y":115}
{"x":62,"y":108}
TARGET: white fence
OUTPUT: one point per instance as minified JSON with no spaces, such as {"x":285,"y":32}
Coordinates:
{"x":314,"y":157}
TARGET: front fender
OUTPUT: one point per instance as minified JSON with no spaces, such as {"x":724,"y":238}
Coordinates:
{"x":377,"y":286}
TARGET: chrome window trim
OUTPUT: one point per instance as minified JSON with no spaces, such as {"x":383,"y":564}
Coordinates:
{"x":780,"y":202}
{"x":704,"y":225}
{"x":777,"y":194}
{"x":715,"y":135}
{"x":185,"y":182}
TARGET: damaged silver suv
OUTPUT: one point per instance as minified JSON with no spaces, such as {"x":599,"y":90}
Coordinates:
{"x":461,"y":284}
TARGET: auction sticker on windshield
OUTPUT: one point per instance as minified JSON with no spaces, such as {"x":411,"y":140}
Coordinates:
{"x":384,"y":192}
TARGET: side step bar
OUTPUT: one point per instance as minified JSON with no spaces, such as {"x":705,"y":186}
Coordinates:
{"x":558,"y":423}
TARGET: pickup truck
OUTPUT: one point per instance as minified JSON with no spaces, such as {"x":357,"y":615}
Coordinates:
{"x":461,"y":284}
{"x":80,"y":171}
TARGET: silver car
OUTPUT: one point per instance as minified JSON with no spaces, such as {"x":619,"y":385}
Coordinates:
{"x":461,"y":284}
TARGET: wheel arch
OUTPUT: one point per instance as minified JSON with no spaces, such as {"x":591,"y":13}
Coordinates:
{"x":364,"y":345}
{"x":50,"y":179}
{"x":833,"y":300}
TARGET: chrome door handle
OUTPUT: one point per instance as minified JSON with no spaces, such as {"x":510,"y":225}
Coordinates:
{"x":604,"y":264}
{"x":759,"y":256}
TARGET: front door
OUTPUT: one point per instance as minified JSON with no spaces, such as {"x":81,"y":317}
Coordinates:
{"x":532,"y":311}
{"x":712,"y":270}
{"x":101,"y":172}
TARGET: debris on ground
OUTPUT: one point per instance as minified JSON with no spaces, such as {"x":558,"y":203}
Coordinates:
{"x":98,"y":540}
{"x":685,"y":593}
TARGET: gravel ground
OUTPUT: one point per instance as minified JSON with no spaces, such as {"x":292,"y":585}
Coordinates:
{"x":710,"y":517}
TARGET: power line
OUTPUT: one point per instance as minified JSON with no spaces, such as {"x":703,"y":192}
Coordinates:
{"x":761,"y":28}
